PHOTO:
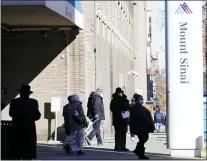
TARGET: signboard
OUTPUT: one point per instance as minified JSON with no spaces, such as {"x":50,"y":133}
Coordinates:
{"x":185,"y":74}
{"x":4,"y":93}
{"x":55,"y":104}
{"x":67,"y":10}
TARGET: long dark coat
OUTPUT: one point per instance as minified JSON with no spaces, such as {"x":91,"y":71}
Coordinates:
{"x":24,"y":113}
{"x":140,"y":120}
{"x":117,"y":106}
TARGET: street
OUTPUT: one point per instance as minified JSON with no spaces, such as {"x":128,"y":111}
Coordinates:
{"x":155,"y":148}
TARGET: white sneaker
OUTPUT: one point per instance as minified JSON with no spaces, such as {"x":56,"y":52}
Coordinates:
{"x":133,"y":138}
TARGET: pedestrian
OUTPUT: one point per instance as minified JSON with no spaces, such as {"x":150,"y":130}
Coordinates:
{"x":158,"y":119}
{"x":96,"y":114}
{"x":131,"y":105}
{"x":164,"y":119}
{"x":75,"y":122}
{"x":141,"y":124}
{"x":119,"y":107}
{"x":24,"y":112}
{"x":90,"y":103}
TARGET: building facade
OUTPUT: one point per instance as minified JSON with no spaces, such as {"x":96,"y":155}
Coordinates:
{"x":152,"y":53}
{"x":63,"y":62}
{"x":140,"y":13}
{"x":204,"y":44}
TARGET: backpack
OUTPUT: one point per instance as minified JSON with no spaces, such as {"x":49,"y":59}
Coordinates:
{"x":158,"y":116}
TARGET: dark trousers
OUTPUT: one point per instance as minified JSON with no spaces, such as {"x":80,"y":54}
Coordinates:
{"x":96,"y":132}
{"x":120,"y":136}
{"x":23,"y":145}
{"x":140,"y":149}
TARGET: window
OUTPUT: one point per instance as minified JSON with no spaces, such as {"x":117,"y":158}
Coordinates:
{"x":150,"y":20}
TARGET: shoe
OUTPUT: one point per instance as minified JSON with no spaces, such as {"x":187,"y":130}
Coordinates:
{"x":143,"y":157}
{"x":135,"y":152}
{"x":67,"y":148}
{"x":100,"y":144}
{"x":124,"y":149}
{"x":117,"y":149}
{"x":88,"y":141}
{"x":80,"y":153}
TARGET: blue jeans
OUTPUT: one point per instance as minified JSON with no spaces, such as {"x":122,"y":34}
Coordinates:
{"x":96,"y":132}
{"x":157,"y":126}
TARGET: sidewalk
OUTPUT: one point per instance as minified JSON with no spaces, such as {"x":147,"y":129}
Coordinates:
{"x":155,"y":149}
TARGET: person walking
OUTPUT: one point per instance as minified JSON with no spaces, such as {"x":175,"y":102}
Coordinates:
{"x":24,"y":112}
{"x":119,"y":106}
{"x":158,"y":120}
{"x":74,"y":121}
{"x":96,"y":114}
{"x":141,"y":124}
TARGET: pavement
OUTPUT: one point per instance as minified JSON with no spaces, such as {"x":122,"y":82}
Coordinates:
{"x":155,"y":149}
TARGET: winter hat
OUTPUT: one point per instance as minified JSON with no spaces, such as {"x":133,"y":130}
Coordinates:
{"x":119,"y":90}
{"x":69,"y":98}
{"x":75,"y":97}
{"x":99,"y":90}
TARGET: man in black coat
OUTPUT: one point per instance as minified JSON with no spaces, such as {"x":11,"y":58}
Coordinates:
{"x":96,"y":114}
{"x":141,"y":124}
{"x":119,"y":104}
{"x":24,"y":112}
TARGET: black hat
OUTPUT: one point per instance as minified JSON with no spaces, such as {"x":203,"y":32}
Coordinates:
{"x":119,"y":90}
{"x":25,"y":89}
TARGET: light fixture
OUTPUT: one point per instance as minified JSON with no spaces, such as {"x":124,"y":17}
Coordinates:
{"x":133,"y":73}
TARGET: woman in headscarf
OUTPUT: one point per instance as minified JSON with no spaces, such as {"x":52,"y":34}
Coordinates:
{"x":75,"y":122}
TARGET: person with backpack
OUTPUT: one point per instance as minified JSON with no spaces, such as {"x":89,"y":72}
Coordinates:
{"x":158,"y":119}
{"x":74,"y":122}
{"x":96,"y":114}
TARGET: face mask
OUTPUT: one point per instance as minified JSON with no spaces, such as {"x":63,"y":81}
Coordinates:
{"x":141,"y":102}
{"x":120,"y":94}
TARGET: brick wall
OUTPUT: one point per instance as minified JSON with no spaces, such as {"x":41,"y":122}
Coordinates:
{"x":65,"y":62}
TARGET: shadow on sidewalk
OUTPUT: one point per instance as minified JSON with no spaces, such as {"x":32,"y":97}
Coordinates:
{"x":56,"y":152}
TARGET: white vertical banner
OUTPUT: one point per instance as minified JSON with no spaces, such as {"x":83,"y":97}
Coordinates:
{"x":184,"y":74}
